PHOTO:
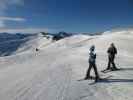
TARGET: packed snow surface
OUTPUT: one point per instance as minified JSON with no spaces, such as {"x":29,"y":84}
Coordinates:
{"x":53,"y":72}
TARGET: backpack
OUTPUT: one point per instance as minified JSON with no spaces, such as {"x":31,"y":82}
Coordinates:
{"x":112,"y":51}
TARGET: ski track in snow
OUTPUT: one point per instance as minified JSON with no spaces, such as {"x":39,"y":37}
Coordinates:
{"x":52,"y":72}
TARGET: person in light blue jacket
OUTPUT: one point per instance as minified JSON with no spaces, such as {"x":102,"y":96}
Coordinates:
{"x":92,"y":64}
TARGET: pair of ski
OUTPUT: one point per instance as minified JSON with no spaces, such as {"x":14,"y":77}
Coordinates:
{"x":103,"y":78}
{"x":110,"y":70}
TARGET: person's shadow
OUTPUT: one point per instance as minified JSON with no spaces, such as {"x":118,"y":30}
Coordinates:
{"x":118,"y":80}
{"x":126,"y":69}
{"x":115,"y":80}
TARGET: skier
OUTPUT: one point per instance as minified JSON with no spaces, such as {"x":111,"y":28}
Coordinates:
{"x":92,"y":64}
{"x":112,"y":51}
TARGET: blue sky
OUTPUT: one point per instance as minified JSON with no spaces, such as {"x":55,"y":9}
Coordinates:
{"x":64,"y":15}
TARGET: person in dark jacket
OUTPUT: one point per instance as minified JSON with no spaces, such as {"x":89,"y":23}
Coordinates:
{"x":112,"y":51}
{"x":92,"y":64}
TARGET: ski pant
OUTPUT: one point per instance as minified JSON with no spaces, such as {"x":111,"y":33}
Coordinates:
{"x":111,"y":61}
{"x":92,"y":65}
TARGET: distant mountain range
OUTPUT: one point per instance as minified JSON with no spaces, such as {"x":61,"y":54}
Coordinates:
{"x":10,"y":42}
{"x":8,"y":36}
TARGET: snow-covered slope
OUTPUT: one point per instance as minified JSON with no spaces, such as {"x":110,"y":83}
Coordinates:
{"x":53,"y":72}
{"x":11,"y":44}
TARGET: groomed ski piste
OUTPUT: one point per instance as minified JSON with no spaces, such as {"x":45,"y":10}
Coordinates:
{"x":52,"y":73}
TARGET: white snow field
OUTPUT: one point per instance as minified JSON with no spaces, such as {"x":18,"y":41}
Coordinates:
{"x":53,"y":73}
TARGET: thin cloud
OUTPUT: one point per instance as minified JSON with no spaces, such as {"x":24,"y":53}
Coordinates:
{"x":2,"y":24}
{"x":4,"y":6}
{"x":25,"y":30}
{"x":11,"y":19}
